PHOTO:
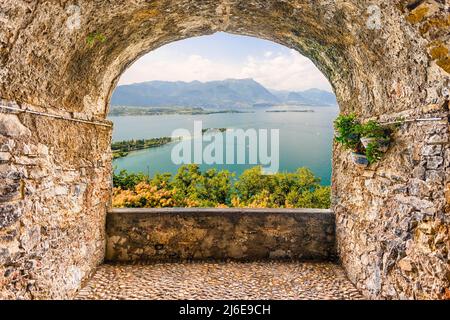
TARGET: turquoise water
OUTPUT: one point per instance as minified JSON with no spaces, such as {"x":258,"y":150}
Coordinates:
{"x":305,"y":138}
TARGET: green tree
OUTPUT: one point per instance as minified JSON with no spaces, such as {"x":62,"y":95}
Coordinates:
{"x":251,"y":183}
{"x":214,"y":188}
{"x":126,"y":180}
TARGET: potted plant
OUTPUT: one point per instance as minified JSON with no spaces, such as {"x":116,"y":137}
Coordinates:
{"x":360,"y":159}
{"x":374,"y":135}
{"x":348,"y":133}
{"x":373,"y":152}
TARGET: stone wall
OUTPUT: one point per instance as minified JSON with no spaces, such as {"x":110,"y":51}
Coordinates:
{"x":393,"y":218}
{"x":401,"y":200}
{"x":54,"y":191}
{"x":238,"y":234}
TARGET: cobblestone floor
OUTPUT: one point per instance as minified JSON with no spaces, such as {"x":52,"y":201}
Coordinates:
{"x":231,"y":280}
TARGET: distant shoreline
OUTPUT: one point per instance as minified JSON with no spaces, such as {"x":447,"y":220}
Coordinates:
{"x":284,"y":111}
{"x":122,"y":111}
{"x":141,"y":111}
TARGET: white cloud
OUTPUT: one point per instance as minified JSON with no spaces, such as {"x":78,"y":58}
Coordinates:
{"x":177,"y":67}
{"x":290,"y":71}
{"x":281,"y":71}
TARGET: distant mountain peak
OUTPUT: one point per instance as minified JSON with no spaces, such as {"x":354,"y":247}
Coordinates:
{"x":224,"y":94}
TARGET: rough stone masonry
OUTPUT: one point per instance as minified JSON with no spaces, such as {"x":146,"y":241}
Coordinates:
{"x":385,"y":59}
{"x":172,"y":235}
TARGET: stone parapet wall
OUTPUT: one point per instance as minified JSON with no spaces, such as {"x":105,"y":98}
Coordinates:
{"x":239,"y":234}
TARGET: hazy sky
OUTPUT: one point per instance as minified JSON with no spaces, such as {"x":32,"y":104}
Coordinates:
{"x":223,"y":56}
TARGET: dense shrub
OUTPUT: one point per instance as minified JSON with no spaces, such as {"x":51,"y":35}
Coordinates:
{"x":192,"y":188}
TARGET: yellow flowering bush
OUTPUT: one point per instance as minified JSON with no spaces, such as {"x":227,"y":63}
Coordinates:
{"x":192,"y":188}
{"x":145,"y":195}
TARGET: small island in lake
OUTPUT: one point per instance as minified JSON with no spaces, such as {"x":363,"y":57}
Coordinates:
{"x":121,"y":149}
{"x":209,"y":130}
{"x":282,"y":111}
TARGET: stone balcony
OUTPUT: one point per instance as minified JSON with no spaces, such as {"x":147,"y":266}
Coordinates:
{"x":220,"y":254}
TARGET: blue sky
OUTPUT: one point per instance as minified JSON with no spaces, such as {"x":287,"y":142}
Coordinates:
{"x":222,"y":56}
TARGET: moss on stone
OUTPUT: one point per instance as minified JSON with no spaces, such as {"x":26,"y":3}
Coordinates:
{"x":439,"y":52}
{"x":417,"y":15}
{"x":435,"y":23}
{"x":146,"y":14}
{"x":444,"y":63}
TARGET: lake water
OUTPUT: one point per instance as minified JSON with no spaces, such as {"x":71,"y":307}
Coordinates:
{"x":305,"y":138}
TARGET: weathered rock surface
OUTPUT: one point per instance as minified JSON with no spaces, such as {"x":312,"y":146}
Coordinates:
{"x":386,"y":59}
{"x":205,"y":234}
{"x":52,"y":215}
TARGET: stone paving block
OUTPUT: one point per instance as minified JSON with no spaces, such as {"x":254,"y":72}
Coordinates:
{"x":266,"y":280}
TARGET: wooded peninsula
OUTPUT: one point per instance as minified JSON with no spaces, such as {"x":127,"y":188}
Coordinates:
{"x":121,"y":149}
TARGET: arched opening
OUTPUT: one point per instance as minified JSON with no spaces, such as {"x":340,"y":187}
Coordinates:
{"x":262,"y":108}
{"x":385,"y":61}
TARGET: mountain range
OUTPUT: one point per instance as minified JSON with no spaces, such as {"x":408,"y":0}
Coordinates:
{"x":229,"y":94}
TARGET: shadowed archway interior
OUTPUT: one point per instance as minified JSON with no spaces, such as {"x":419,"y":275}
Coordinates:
{"x":385,"y":60}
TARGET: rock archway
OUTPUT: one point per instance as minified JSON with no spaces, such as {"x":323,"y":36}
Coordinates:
{"x":385,"y":59}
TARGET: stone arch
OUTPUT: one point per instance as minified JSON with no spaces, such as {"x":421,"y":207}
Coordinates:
{"x":385,"y":59}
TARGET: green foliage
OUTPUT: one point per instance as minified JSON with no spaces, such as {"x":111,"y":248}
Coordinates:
{"x":217,"y":186}
{"x":372,"y":129}
{"x":207,"y":189}
{"x":251,"y":183}
{"x":348,"y":131}
{"x":126,"y":180}
{"x":373,"y":152}
{"x":161,"y":179}
{"x":212,"y":188}
{"x":95,"y":37}
{"x":319,"y":198}
{"x":398,"y":122}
